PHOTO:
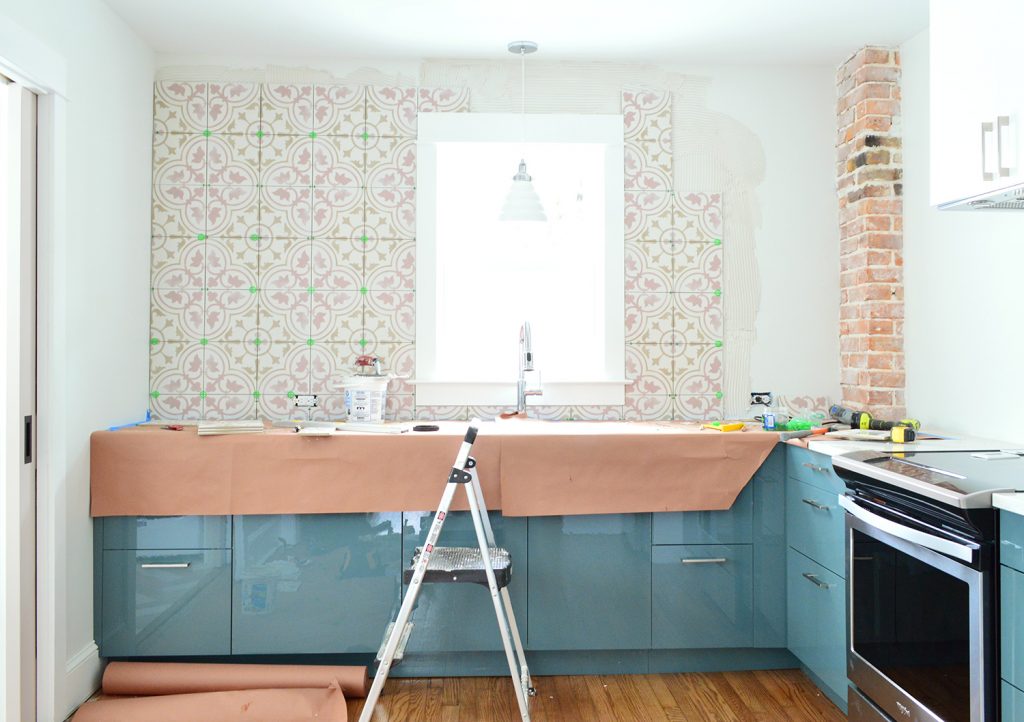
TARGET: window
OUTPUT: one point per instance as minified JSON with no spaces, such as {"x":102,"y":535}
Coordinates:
{"x":479,"y":278}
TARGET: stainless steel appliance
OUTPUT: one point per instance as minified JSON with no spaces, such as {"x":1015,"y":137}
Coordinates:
{"x":921,"y":575}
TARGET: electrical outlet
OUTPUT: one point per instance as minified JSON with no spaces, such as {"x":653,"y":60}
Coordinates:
{"x":760,"y":398}
{"x":305,"y":401}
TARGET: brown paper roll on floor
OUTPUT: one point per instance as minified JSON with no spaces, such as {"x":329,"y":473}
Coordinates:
{"x":251,"y":705}
{"x":156,"y":678}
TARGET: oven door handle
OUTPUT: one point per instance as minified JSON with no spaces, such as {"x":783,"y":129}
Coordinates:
{"x":963,"y":552}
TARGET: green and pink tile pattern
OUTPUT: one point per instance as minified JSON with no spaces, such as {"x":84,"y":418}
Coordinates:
{"x":283,"y":245}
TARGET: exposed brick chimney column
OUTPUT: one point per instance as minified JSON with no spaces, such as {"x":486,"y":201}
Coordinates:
{"x":869,"y":172}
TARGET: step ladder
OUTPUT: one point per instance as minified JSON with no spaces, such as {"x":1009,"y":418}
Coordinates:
{"x":485,"y":564}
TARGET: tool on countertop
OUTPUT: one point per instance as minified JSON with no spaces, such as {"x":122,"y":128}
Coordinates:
{"x":149,"y":417}
{"x":484,"y":564}
{"x":173,"y":427}
{"x":863,"y":420}
{"x":724,"y":426}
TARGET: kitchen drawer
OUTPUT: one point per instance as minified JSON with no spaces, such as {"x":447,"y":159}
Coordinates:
{"x":729,"y":526}
{"x":1011,"y":540}
{"x":815,"y":525}
{"x":167,"y":532}
{"x":813,"y":468}
{"x":702,"y":596}
{"x":1013,"y":703}
{"x":166,"y":602}
{"x":1011,"y":649}
{"x":817,"y":620}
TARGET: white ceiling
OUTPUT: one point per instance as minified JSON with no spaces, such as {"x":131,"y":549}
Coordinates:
{"x":708,"y":32}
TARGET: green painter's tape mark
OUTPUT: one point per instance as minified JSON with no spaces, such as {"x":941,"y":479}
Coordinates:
{"x":291,"y":394}
{"x":311,"y":290}
{"x":364,"y":290}
{"x":255,"y":394}
{"x":718,"y":292}
{"x":260,"y":133}
{"x":202,"y":394}
{"x":364,"y":239}
{"x":254,"y":237}
{"x":718,"y":241}
{"x":312,"y":134}
{"x":718,"y":394}
{"x":155,"y":394}
{"x":718,"y":344}
{"x":365,"y":135}
{"x":201,"y":237}
{"x":310,"y":342}
{"x":253,"y":289}
{"x":363,"y":342}
{"x":203,"y":341}
{"x":207,"y":133}
{"x":257,"y":341}
{"x":154,"y":341}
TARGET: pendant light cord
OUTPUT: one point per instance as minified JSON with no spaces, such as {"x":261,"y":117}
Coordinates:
{"x":522,"y":101}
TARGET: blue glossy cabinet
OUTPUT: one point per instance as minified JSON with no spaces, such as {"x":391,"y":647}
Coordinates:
{"x":769,"y":551}
{"x":314,"y":583}
{"x":589,"y":582}
{"x":729,"y":526}
{"x":1013,"y":703}
{"x":702,"y":596}
{"x":1011,"y":604}
{"x":460,"y":617}
{"x":165,"y":602}
{"x":167,"y":532}
{"x":817,"y":620}
{"x":816,"y":525}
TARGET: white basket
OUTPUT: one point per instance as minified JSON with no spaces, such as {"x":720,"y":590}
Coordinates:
{"x":365,"y":398}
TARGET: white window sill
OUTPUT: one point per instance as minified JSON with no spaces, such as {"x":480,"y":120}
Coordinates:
{"x":435,"y":392}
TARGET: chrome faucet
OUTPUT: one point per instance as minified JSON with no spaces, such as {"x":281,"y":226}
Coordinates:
{"x":525,"y":365}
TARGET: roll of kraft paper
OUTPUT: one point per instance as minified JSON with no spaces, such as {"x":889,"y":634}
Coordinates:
{"x":249,"y":705}
{"x":154,"y":678}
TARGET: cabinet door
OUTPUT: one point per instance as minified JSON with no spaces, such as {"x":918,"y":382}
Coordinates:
{"x":816,"y":525}
{"x":315,"y":582}
{"x":166,"y":602}
{"x":729,"y":526}
{"x":702,"y":596}
{"x":166,"y":532}
{"x":590,"y":582}
{"x":1013,"y":703}
{"x":460,"y":617}
{"x":770,"y":558}
{"x":817,"y":620}
{"x":1011,"y":649}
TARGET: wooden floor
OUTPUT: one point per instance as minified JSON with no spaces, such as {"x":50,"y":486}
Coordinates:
{"x":770,"y":696}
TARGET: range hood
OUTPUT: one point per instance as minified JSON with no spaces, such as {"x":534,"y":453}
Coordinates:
{"x":1005,"y":199}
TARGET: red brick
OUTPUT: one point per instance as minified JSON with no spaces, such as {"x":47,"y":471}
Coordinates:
{"x":887,"y":344}
{"x":875,"y":56}
{"x":876,"y":73}
{"x":878,"y":223}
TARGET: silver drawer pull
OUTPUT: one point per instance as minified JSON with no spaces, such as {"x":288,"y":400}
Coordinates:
{"x":715,"y":560}
{"x":815,"y":467}
{"x":817,"y":505}
{"x":166,"y":565}
{"x":863,"y":559}
{"x":813,"y":579}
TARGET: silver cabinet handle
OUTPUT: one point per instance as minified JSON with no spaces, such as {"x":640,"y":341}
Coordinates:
{"x":986,"y":128}
{"x":813,"y":579}
{"x":1003,"y":121}
{"x":815,"y":467}
{"x":715,"y":560}
{"x":816,"y":505}
{"x":166,"y":565}
{"x":863,"y":559}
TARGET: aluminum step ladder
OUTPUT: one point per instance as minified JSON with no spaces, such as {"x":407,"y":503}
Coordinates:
{"x":485,"y":564}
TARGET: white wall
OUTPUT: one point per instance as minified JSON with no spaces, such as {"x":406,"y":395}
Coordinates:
{"x":963,"y":341}
{"x":103,"y":295}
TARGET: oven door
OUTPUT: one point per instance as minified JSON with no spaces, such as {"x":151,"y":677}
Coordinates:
{"x":919,"y":637}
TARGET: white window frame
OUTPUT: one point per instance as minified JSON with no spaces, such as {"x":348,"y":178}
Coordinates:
{"x":442,"y":387}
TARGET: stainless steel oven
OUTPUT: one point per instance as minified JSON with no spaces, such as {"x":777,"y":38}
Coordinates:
{"x":921,"y":584}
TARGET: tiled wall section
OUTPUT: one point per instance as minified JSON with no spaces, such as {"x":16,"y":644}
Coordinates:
{"x":283,"y":246}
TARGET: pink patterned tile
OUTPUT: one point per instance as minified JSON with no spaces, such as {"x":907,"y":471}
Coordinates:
{"x":174,"y":407}
{"x":339,"y":110}
{"x":391,"y":111}
{"x":176,"y":369}
{"x":178,"y":263}
{"x":286,"y":212}
{"x":279,"y":407}
{"x":390,"y":265}
{"x":400,"y":408}
{"x":646,"y":170}
{"x":230,"y":368}
{"x":337,"y":264}
{"x":179,"y":107}
{"x":177,"y":315}
{"x":233,"y":160}
{"x":231,"y":315}
{"x":179,"y":159}
{"x":596,"y":413}
{"x":442,"y":413}
{"x":698,"y":268}
{"x":389,"y":316}
{"x":698,"y":370}
{"x":390,"y":162}
{"x":233,"y":108}
{"x":286,"y":160}
{"x":699,"y":408}
{"x":284,"y":316}
{"x":698,"y":317}
{"x":338,"y":212}
{"x":337,"y":315}
{"x":649,"y":216}
{"x":649,"y":369}
{"x":179,"y":211}
{"x":551,"y":413}
{"x":647,"y":407}
{"x":338,"y":161}
{"x":699,"y":216}
{"x":649,"y":318}
{"x":390,"y":213}
{"x":443,"y":100}
{"x":649,"y":267}
{"x":329,"y":407}
{"x":233,"y":211}
{"x":283,"y":368}
{"x":286,"y":263}
{"x":230,"y":407}
{"x":486,"y":413}
{"x":287,"y":109}
{"x":232,"y":263}
{"x":647,"y":116}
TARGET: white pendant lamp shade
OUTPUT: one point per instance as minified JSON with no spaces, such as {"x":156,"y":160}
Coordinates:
{"x":522,"y":202}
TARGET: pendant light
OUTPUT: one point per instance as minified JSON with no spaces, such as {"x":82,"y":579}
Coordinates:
{"x":522,"y":202}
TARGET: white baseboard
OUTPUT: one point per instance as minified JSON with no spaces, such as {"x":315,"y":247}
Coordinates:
{"x":84,"y":669}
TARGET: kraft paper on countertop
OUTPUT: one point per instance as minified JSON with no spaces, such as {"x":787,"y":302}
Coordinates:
{"x":525,"y":470}
{"x":158,"y":678}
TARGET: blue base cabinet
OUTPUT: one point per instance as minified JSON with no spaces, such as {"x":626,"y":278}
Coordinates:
{"x":1011,"y":605}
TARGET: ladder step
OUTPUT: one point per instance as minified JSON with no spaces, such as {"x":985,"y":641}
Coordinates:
{"x":400,"y":652}
{"x":463,"y":565}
